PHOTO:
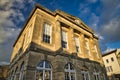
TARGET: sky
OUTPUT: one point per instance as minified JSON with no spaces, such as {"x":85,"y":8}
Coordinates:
{"x":103,"y":16}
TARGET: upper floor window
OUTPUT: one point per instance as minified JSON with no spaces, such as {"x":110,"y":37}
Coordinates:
{"x":77,"y":43}
{"x":47,"y":33}
{"x":21,"y":72}
{"x":112,"y":59}
{"x":70,"y":72}
{"x":44,"y":71}
{"x":64,"y":39}
{"x":97,"y":54}
{"x":87,"y":46}
{"x":107,"y":61}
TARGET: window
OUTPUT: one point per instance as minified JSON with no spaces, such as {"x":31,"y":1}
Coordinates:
{"x":70,"y":73}
{"x":104,"y":77}
{"x":47,"y":33}
{"x":16,"y":73}
{"x":87,"y":46}
{"x":12,"y":76}
{"x":85,"y":75}
{"x":77,"y":44}
{"x":97,"y":54}
{"x":21,"y":72}
{"x":112,"y":59}
{"x":44,"y":71}
{"x":64,"y":40}
{"x":108,"y":69}
{"x":107,"y":61}
{"x":111,"y":69}
{"x":96,"y":74}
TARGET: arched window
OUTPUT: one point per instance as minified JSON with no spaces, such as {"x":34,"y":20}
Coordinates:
{"x":21,"y":72}
{"x":96,"y":74}
{"x":16,"y":73}
{"x":85,"y":73}
{"x":44,"y":71}
{"x":12,"y":76}
{"x":70,"y":73}
{"x":104,"y":77}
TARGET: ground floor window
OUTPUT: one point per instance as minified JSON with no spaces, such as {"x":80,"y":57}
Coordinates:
{"x":21,"y":72}
{"x":70,"y":73}
{"x":85,"y":75}
{"x":104,"y":77}
{"x":16,"y":73}
{"x":44,"y":71}
{"x":96,"y":74}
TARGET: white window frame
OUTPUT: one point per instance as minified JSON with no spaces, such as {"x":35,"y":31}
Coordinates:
{"x":77,"y":44}
{"x":21,"y":72}
{"x":65,"y":38}
{"x":45,"y":69}
{"x":70,"y":71}
{"x":47,"y":31}
{"x":16,"y":73}
{"x":97,"y":75}
{"x":104,"y":77}
{"x":85,"y":73}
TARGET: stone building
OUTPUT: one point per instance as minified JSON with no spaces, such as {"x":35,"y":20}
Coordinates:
{"x":3,"y":71}
{"x":112,"y":64}
{"x":56,"y":46}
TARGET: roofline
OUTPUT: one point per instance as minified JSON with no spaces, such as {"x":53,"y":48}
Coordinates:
{"x":53,"y":14}
{"x":109,"y":53}
{"x":59,"y":13}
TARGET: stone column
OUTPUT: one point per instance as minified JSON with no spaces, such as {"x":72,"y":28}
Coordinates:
{"x":83,"y":45}
{"x":57,"y":35}
{"x":91,"y":47}
{"x":58,"y":68}
{"x":71,"y":41}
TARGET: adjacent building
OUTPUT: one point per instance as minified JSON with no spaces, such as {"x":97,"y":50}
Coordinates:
{"x":3,"y":72}
{"x":112,"y":64}
{"x":56,"y":46}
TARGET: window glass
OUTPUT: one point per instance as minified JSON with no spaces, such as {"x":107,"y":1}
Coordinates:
{"x":70,"y":72}
{"x":96,"y":74}
{"x":77,"y":43}
{"x":107,"y":61}
{"x":44,"y":72}
{"x":64,"y":40}
{"x":85,"y":75}
{"x":16,"y":73}
{"x":47,"y":33}
{"x":21,"y":72}
{"x":87,"y":46}
{"x":112,"y":59}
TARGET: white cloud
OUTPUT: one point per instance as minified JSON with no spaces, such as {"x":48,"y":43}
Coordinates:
{"x":108,"y":50}
{"x":4,"y":63}
{"x":99,"y":36}
{"x":111,"y":30}
{"x":10,"y":17}
{"x":93,"y":21}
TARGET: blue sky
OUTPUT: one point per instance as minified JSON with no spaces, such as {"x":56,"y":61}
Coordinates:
{"x":103,"y":16}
